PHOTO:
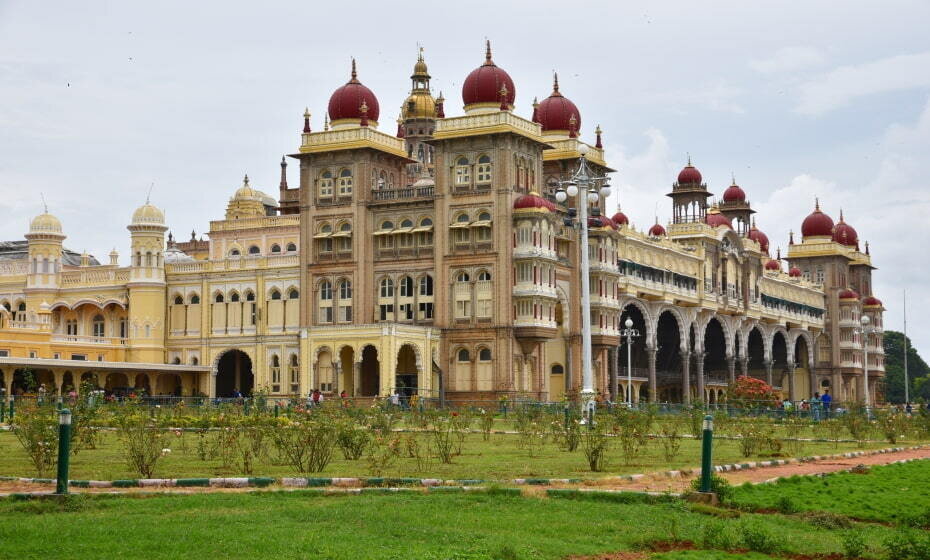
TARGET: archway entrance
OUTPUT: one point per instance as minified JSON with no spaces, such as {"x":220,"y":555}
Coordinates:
{"x":780,"y":361}
{"x":668,"y":358}
{"x":169,"y":384}
{"x":755,"y":352}
{"x":234,"y":373}
{"x":716,"y":372}
{"x":347,"y":367}
{"x":405,"y":379}
{"x":637,"y":358}
{"x":371,"y":372}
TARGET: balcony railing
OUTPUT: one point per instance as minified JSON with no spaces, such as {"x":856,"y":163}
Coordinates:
{"x":403,"y":193}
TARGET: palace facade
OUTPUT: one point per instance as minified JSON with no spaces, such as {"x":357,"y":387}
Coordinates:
{"x":436,"y":259}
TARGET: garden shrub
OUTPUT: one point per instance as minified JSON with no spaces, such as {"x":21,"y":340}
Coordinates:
{"x":757,"y":538}
{"x":717,"y":535}
{"x":826,"y":520}
{"x":853,"y":544}
{"x":382,"y":452}
{"x":908,"y":544}
{"x":305,"y":443}
{"x":143,"y":439}
{"x":595,"y":443}
{"x":352,"y":439}
{"x":671,"y":429}
{"x":856,"y":423}
{"x":718,"y":485}
{"x":447,"y":435}
{"x":631,"y":427}
{"x":36,"y":429}
{"x":892,"y":424}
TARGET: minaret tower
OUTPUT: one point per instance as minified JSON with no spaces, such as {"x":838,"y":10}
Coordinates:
{"x":689,"y":196}
{"x":44,"y":267}
{"x":146,"y":286}
{"x":417,"y":121}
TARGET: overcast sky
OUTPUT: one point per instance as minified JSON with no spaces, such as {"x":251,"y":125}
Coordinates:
{"x":98,"y":100}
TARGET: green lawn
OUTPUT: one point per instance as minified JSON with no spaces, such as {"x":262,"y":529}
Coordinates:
{"x":302,"y":524}
{"x":892,"y":493}
{"x":501,"y":458}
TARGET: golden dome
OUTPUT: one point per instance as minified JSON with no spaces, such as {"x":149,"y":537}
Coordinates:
{"x":419,"y":69}
{"x":246,"y":192}
{"x":420,"y":105}
{"x":45,"y":223}
{"x":148,"y":214}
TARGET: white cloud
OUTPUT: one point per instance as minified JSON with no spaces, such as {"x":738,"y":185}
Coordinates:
{"x":641,"y":180}
{"x":841,"y":86}
{"x":788,"y":59}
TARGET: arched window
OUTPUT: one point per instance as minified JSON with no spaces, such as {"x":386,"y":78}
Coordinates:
{"x":462,"y":171}
{"x":249,"y":295}
{"x":345,"y":289}
{"x":218,"y":298}
{"x":462,"y":277}
{"x":484,"y":276}
{"x":234,"y":297}
{"x":387,"y":225}
{"x":484,"y":170}
{"x":426,"y":232}
{"x":234,"y":253}
{"x":484,"y":354}
{"x":462,"y":218}
{"x":194,"y":361}
{"x":464,"y":356}
{"x":293,"y":294}
{"x":275,"y":248}
{"x":406,"y":223}
{"x":557,"y":369}
{"x":326,"y":184}
{"x":99,"y":326}
{"x":176,"y":361}
{"x":387,"y":288}
{"x":275,"y":294}
{"x":254,"y":250}
{"x":195,"y":299}
{"x":345,"y":183}
{"x":291,"y":247}
{"x":326,"y":290}
{"x":178,"y":300}
{"x":426,"y":285}
{"x":406,"y":287}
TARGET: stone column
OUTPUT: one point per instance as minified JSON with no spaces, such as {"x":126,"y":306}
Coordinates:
{"x":686,"y":377}
{"x":356,"y":378}
{"x":653,"y":385}
{"x":612,"y":356}
{"x":731,"y":369}
{"x":768,"y":372}
{"x":8,"y":385}
{"x":744,"y":366}
{"x":812,"y":380}
{"x":792,"y":392}
{"x":59,"y":376}
{"x":699,"y":374}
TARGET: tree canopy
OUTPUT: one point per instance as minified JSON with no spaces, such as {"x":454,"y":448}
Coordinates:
{"x":917,"y":369}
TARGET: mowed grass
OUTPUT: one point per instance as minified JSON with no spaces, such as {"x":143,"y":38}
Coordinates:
{"x":500,"y":458}
{"x":301,"y":524}
{"x":897,"y":493}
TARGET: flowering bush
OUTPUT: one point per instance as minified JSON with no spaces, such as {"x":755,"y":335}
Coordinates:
{"x":750,"y":392}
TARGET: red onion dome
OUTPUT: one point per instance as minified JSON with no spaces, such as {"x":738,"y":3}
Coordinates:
{"x":773,"y":265}
{"x":794,"y":272}
{"x":844,"y":233}
{"x":817,"y":224}
{"x":484,"y":84}
{"x":715,"y":219}
{"x":872,"y":301}
{"x":533,"y":201}
{"x":689,"y":175}
{"x":601,"y":222}
{"x":620,"y":219}
{"x":756,"y":235}
{"x":657,"y":230}
{"x":848,"y":294}
{"x":346,"y":102}
{"x":734,"y":193}
{"x":555,"y":111}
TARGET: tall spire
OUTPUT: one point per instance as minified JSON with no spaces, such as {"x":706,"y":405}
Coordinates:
{"x":283,"y":184}
{"x":354,"y":79}
{"x":487,"y":53}
{"x":555,"y":84}
{"x":535,"y":118}
{"x":816,"y":204}
{"x":306,"y":120}
{"x":598,"y":144}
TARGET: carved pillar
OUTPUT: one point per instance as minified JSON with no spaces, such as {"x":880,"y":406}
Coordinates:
{"x":731,"y":369}
{"x":356,"y":378}
{"x":8,"y":385}
{"x":686,"y":377}
{"x":653,"y":386}
{"x":699,"y":374}
{"x":59,"y":380}
{"x":812,"y":380}
{"x":768,"y":372}
{"x":744,"y":366}
{"x":792,"y":393}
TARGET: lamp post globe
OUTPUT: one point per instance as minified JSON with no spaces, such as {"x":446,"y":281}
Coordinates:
{"x":572,"y":189}
{"x":605,"y":190}
{"x":629,"y":323}
{"x":560,"y":195}
{"x":583,"y":149}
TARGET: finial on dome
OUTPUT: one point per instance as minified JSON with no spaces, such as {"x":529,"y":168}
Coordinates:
{"x":283,"y":184}
{"x":193,"y":235}
{"x":572,"y":124}
{"x":598,"y":144}
{"x":866,"y":247}
{"x":149,"y":195}
{"x":733,"y":178}
{"x":841,"y":220}
{"x":245,"y":183}
{"x":503,"y":94}
{"x":487,"y":53}
{"x":363,"y":109}
{"x":535,"y":118}
{"x":689,"y":159}
{"x":306,"y":120}
{"x":791,"y":237}
{"x":325,"y":121}
{"x":778,"y":254}
{"x":354,"y":79}
{"x":419,"y":53}
{"x":555,"y":83}
{"x":44,"y":204}
{"x":816,"y":204}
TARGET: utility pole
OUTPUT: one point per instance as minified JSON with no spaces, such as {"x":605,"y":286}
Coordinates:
{"x":907,"y":384}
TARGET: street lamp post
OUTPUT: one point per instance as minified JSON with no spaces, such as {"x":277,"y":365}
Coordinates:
{"x":864,"y":333}
{"x":630,"y":333}
{"x":588,"y":189}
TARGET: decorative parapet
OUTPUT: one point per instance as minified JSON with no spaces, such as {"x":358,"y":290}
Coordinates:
{"x":351,"y":139}
{"x":14,"y":268}
{"x":255,"y":223}
{"x":487,"y":123}
{"x":236,"y":263}
{"x":95,"y":276}
{"x":568,"y":148}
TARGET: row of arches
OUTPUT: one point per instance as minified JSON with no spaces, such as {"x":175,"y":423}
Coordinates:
{"x":255,"y":250}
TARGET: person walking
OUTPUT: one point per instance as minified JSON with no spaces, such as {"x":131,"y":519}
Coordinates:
{"x":827,"y":400}
{"x":815,"y":406}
